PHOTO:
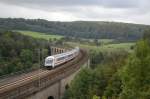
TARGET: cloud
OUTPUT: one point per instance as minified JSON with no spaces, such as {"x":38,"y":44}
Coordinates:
{"x":29,"y":13}
{"x":62,"y":3}
{"x":136,"y":11}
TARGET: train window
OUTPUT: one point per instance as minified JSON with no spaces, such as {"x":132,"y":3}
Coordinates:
{"x":66,"y":56}
{"x":61,"y":58}
{"x":70,"y":55}
{"x":49,"y":61}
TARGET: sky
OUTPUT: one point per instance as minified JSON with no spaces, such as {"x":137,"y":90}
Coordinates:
{"x":130,"y":11}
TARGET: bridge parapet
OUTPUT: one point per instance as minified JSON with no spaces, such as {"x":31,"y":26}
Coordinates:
{"x":56,"y":50}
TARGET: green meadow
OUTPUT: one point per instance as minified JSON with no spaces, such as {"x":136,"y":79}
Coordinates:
{"x":106,"y":47}
{"x":40,"y":35}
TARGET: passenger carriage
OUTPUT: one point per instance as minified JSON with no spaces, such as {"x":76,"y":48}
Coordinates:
{"x":58,"y":59}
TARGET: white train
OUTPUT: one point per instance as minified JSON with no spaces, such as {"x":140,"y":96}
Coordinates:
{"x":55,"y":60}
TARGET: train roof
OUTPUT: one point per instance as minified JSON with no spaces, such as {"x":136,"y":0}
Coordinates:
{"x":62,"y":54}
{"x":50,"y":57}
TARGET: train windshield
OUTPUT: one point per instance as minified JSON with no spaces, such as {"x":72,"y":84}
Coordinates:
{"x":49,"y":61}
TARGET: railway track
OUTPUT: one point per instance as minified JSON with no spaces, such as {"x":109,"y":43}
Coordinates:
{"x":41,"y":78}
{"x":17,"y":82}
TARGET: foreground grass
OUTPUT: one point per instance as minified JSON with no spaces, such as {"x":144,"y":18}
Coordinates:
{"x":105,"y":48}
{"x":40,"y":35}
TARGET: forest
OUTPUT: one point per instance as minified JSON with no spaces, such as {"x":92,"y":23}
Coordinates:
{"x":19,"y":52}
{"x":115,"y":75}
{"x":79,"y":29}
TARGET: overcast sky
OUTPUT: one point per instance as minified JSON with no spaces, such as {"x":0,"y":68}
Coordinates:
{"x":135,"y":11}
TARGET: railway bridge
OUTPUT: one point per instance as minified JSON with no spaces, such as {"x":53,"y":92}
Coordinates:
{"x":43,"y":83}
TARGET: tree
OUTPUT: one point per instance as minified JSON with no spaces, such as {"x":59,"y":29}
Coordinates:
{"x":83,"y":87}
{"x":18,"y":52}
{"x":136,"y":74}
{"x":113,"y":88}
{"x":96,"y":42}
{"x":96,"y":58}
{"x":146,"y":34}
{"x":95,"y":97}
{"x":89,"y":83}
{"x":26,"y":57}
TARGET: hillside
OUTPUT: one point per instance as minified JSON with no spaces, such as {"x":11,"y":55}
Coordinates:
{"x":83,"y":29}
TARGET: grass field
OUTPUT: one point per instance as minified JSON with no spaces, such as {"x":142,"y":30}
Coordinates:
{"x":40,"y":35}
{"x":106,"y":41}
{"x":105,"y":48}
{"x":102,"y":41}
